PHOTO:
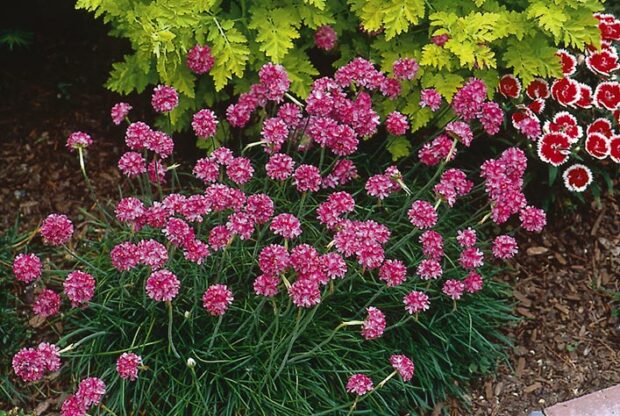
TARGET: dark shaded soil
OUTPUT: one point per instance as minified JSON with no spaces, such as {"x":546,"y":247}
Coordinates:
{"x":568,"y":344}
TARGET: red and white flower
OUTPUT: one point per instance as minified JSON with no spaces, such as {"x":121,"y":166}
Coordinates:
{"x":510,"y":86}
{"x":600,"y":125}
{"x":597,"y":145}
{"x":614,"y":149}
{"x":538,"y":88}
{"x":603,"y":62}
{"x":566,"y":91}
{"x":609,"y":27}
{"x":577,"y":178}
{"x":607,"y":95}
{"x":537,"y":106}
{"x":554,"y":148}
{"x":564,"y":122}
{"x":569,"y":62}
{"x":585,"y":99}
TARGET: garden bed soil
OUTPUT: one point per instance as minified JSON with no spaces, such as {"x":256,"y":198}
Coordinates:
{"x":566,"y":345}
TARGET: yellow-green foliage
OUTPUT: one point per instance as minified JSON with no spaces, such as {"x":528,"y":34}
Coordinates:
{"x":486,"y":38}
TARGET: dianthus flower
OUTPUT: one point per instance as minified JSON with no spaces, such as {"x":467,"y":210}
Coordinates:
{"x":429,"y":269}
{"x":132,"y":164}
{"x":119,"y":111}
{"x":403,"y":365}
{"x":359,"y":384}
{"x":307,"y":178}
{"x":466,"y":237}
{"x":127,"y":365}
{"x":199,"y":59}
{"x":325,"y":37}
{"x":305,"y":293}
{"x":396,"y":123}
{"x":504,"y":247}
{"x":422,"y":214}
{"x":467,"y":101}
{"x":240,"y":170}
{"x":460,"y":131}
{"x":219,"y":237}
{"x":416,"y":301}
{"x":471,"y":258}
{"x":405,"y":68}
{"x":204,"y":123}
{"x":533,"y":219}
{"x":27,"y":267}
{"x":266,"y":285}
{"x":79,"y":287}
{"x":91,"y":390}
{"x":374,"y":324}
{"x":217,"y":299}
{"x":162,"y":285}
{"x":29,"y":364}
{"x":129,"y":209}
{"x":78,"y":140}
{"x":453,"y":288}
{"x":46,"y":304}
{"x":124,"y":256}
{"x":273,"y":259}
{"x":393,"y":272}
{"x":432,"y":244}
{"x":73,"y":406}
{"x":56,"y":229}
{"x":473,"y":282}
{"x":164,"y":99}
{"x":275,"y":80}
{"x":430,"y":98}
{"x":152,"y":253}
{"x":286,"y":225}
{"x":137,"y":134}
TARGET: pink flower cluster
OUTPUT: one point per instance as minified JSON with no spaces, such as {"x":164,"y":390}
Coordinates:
{"x":89,"y":393}
{"x":31,"y":364}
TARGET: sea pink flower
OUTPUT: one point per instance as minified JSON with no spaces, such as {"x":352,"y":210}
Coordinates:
{"x":160,"y":143}
{"x":305,"y":259}
{"x":274,"y":134}
{"x":359,"y":384}
{"x":403,"y":365}
{"x":204,"y":123}
{"x":132,"y":164}
{"x":56,"y":229}
{"x":217,"y":299}
{"x":504,"y":247}
{"x":416,"y":301}
{"x":29,"y":364}
{"x":286,"y":225}
{"x":196,"y":251}
{"x":219,"y":237}
{"x":333,"y":265}
{"x":73,"y":406}
{"x":79,"y":287}
{"x":434,"y":152}
{"x":432,"y":244}
{"x":471,"y":258}
{"x":307,"y":178}
{"x":429,"y":269}
{"x":275,"y":80}
{"x":152,"y":253}
{"x":46,"y":304}
{"x":127,"y":365}
{"x":305,"y":293}
{"x":280,"y":166}
{"x":393,"y":272}
{"x":199,"y":59}
{"x":379,"y":186}
{"x":405,"y":68}
{"x":129,"y":209}
{"x":396,"y":123}
{"x":467,"y":101}
{"x":240,"y":170}
{"x":374,"y":324}
{"x":164,"y":99}
{"x":162,"y":285}
{"x":491,"y":116}
{"x":390,"y":87}
{"x":325,"y":37}
{"x":27,"y":267}
{"x":222,"y":155}
{"x":50,"y":355}
{"x":273,"y":259}
{"x":260,"y":207}
{"x":422,"y":214}
{"x":466,"y":237}
{"x":124,"y":256}
{"x":119,"y":111}
{"x":178,"y":232}
{"x":207,"y":170}
{"x":91,"y":390}
{"x":430,"y":98}
{"x":137,"y":134}
{"x":78,"y":140}
{"x":460,"y":131}
{"x":266,"y":285}
{"x":533,"y":219}
{"x":241,"y":224}
{"x":473,"y":282}
{"x":453,"y":288}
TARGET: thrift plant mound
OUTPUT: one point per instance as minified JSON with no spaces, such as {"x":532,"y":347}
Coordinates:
{"x":293,"y":276}
{"x":573,"y":120}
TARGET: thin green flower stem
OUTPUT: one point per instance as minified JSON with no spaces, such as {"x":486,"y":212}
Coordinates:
{"x":89,"y":185}
{"x":82,"y":260}
{"x":214,"y":334}
{"x":324,"y":342}
{"x":170,"y":341}
{"x":301,"y":204}
{"x":353,"y":406}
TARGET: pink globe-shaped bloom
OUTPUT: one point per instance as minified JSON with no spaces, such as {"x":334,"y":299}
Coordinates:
{"x":46,"y":304}
{"x":132,"y":164}
{"x":50,"y":354}
{"x":286,"y":225}
{"x":119,"y":111}
{"x":416,"y":301}
{"x":73,"y":406}
{"x":533,"y":219}
{"x":164,"y":99}
{"x":162,"y":285}
{"x":240,"y":170}
{"x":403,"y":365}
{"x":127,"y":365}
{"x":125,"y":256}
{"x":453,"y":288}
{"x":78,"y":140}
{"x":396,"y":123}
{"x":359,"y":384}
{"x":129,"y":209}
{"x":91,"y":390}
{"x":405,"y":68}
{"x":305,"y":293}
{"x":29,"y":364}
{"x":504,"y":247}
{"x":217,"y":299}
{"x":266,"y":285}
{"x":200,"y":59}
{"x":393,"y":272}
{"x":325,"y":38}
{"x":422,"y":214}
{"x":27,"y":267}
{"x":307,"y":178}
{"x":79,"y":287}
{"x":374,"y":324}
{"x":204,"y":123}
{"x":280,"y":166}
{"x":219,"y":237}
{"x":56,"y":229}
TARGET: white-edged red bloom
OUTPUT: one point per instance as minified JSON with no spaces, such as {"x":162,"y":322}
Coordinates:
{"x":600,"y":125}
{"x":359,"y":384}
{"x":162,"y":285}
{"x":56,"y":229}
{"x":614,"y":149}
{"x":217,"y":299}
{"x":577,"y":177}
{"x":127,"y":366}
{"x":607,"y":95}
{"x":538,"y":88}
{"x":27,"y":267}
{"x":597,"y":145}
{"x":568,"y":61}
{"x":564,"y":122}
{"x":509,"y":86}
{"x":566,"y":91}
{"x":554,"y":148}
{"x":603,"y":62}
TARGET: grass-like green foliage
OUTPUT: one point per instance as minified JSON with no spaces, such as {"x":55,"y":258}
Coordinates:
{"x":265,"y":356}
{"x":486,"y":38}
{"x":13,"y":328}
